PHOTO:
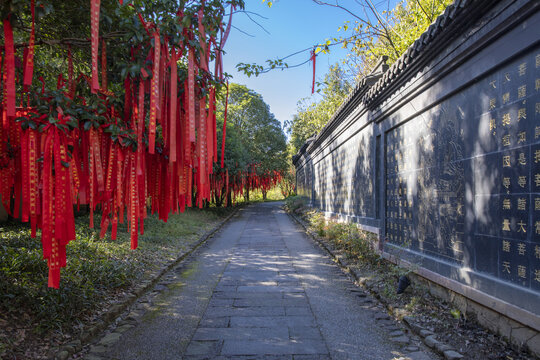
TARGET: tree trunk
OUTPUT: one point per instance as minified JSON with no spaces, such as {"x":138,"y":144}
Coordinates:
{"x":229,"y":199}
{"x":194,"y":197}
{"x":264,"y":194}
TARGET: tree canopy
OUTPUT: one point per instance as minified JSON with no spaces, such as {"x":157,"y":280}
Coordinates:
{"x":255,"y":141}
{"x":372,"y":35}
{"x":311,"y":117}
{"x":389,"y":34}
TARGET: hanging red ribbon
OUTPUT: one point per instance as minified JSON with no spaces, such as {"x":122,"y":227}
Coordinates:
{"x":94,"y":20}
{"x":313,"y":58}
{"x":191,"y":94}
{"x":133,"y":204}
{"x":140,"y":127}
{"x":154,"y":96}
{"x":173,"y":103}
{"x":212,"y":143}
{"x":81,"y":165}
{"x":29,"y":65}
{"x":33,"y":178}
{"x":224,"y":127}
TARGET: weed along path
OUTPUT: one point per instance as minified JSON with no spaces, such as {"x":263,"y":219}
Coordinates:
{"x":259,"y":289}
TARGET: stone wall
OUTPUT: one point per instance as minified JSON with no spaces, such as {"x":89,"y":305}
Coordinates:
{"x":440,"y":155}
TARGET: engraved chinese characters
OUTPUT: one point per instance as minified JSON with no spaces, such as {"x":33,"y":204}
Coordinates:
{"x":463,"y":178}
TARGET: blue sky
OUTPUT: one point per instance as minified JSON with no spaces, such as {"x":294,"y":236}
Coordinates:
{"x":293,"y":25}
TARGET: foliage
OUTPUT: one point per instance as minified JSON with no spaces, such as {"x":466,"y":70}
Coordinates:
{"x":312,"y":117}
{"x":294,"y":203}
{"x":255,"y":142}
{"x":288,"y":183}
{"x":317,"y":222}
{"x":348,"y":237}
{"x":256,"y":135}
{"x":61,"y":29}
{"x":97,"y":269}
{"x":274,"y":194}
{"x":391,"y":35}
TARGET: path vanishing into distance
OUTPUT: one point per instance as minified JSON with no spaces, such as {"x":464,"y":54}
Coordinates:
{"x":259,"y":289}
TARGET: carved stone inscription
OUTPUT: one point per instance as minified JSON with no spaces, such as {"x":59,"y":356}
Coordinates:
{"x":463,"y":178}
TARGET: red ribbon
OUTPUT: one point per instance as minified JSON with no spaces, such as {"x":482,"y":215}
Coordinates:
{"x":88,"y":166}
{"x":33,"y":178}
{"x":173,"y":104}
{"x":71,"y":83}
{"x":313,"y":58}
{"x":94,"y":23}
{"x":191,"y":94}
{"x":154,"y":96}
{"x":140,"y":127}
{"x":29,"y":65}
{"x":133,"y":207}
{"x":224,"y":127}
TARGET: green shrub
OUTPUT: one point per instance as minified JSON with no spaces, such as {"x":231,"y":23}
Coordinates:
{"x":357,"y":243}
{"x":294,"y":203}
{"x":337,"y":232}
{"x":317,"y":222}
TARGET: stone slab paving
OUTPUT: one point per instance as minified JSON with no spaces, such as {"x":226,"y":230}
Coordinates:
{"x":262,"y":290}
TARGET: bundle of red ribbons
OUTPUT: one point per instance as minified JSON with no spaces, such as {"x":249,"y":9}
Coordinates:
{"x":45,"y":169}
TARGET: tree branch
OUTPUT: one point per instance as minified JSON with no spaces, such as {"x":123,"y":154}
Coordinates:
{"x":242,"y":31}
{"x":424,"y":11}
{"x":255,"y":22}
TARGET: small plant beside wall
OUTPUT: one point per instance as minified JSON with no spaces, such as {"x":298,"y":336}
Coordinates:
{"x":356,"y":243}
{"x":294,"y":203}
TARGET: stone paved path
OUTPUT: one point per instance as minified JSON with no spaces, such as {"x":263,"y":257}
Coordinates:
{"x":260,"y":289}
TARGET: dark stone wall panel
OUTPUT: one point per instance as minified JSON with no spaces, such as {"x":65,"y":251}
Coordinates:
{"x":480,"y":139}
{"x":453,"y":164}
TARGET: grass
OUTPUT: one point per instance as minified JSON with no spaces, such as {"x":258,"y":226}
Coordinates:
{"x":348,"y":237}
{"x":96,"y":269}
{"x":274,"y":194}
{"x":295,"y":203}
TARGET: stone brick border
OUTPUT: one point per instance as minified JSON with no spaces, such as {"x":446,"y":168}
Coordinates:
{"x":428,"y":337}
{"x":91,"y":332}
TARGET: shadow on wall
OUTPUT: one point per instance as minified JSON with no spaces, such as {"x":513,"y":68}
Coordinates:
{"x":462,"y":178}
